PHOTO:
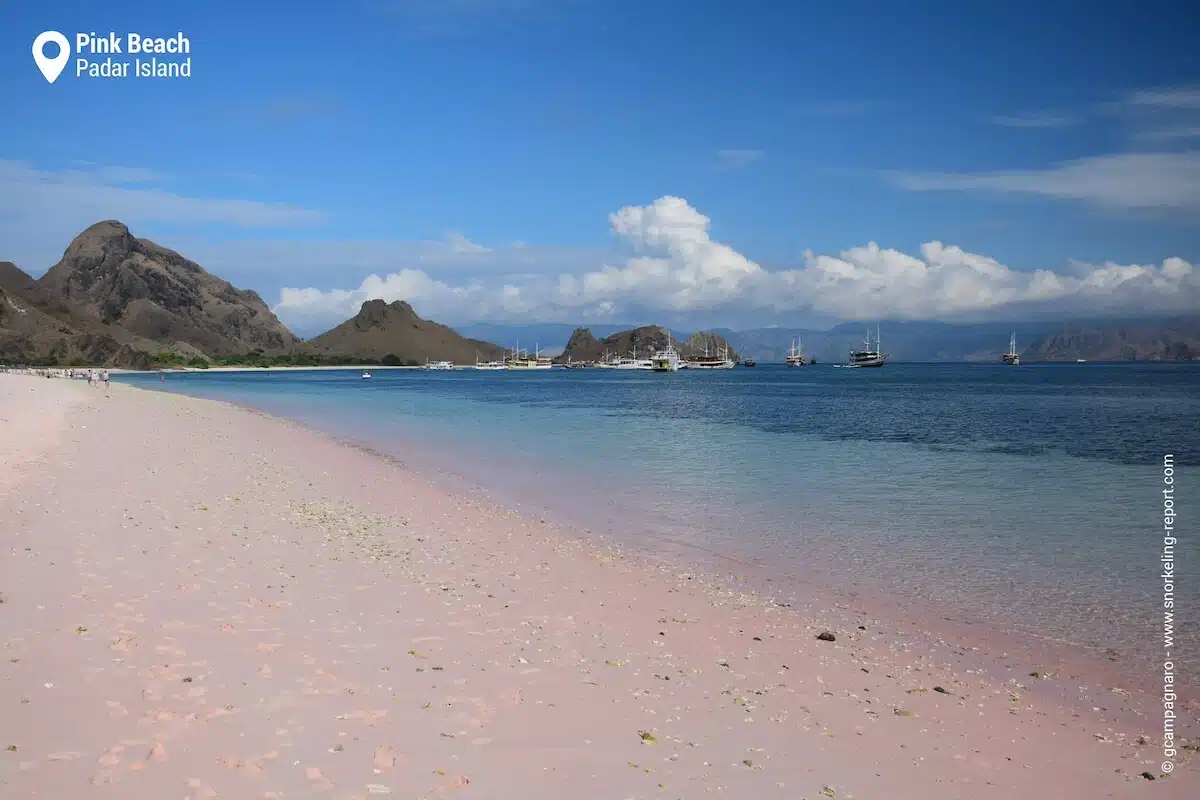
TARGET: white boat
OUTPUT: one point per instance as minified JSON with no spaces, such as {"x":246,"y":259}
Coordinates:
{"x":366,"y":375}
{"x":666,"y":359}
{"x":1081,"y":361}
{"x":870,"y":356}
{"x":719,"y":361}
{"x":488,"y":365}
{"x":439,"y":365}
{"x":631,"y":362}
{"x":795,"y":356}
{"x":1011,"y":358}
{"x":605,"y":361}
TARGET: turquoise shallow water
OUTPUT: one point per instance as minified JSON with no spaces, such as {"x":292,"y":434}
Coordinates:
{"x":1026,"y":497}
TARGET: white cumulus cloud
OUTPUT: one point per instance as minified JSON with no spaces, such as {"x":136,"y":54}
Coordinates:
{"x":676,"y":266}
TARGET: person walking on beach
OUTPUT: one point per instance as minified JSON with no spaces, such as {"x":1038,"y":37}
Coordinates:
{"x":106,"y":380}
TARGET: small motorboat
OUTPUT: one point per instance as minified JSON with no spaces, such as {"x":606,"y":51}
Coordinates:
{"x":366,"y":375}
{"x":749,"y":362}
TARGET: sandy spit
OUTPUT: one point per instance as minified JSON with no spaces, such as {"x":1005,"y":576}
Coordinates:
{"x":200,"y":602}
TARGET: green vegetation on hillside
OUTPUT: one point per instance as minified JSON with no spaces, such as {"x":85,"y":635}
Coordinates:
{"x":257,"y":358}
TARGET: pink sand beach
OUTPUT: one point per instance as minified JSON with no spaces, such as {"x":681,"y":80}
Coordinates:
{"x":201,"y":601}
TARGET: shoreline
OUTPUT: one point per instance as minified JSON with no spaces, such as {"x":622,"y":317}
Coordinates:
{"x":377,"y":367}
{"x":1077,"y":674}
{"x":820,"y":707}
{"x":1073,"y":674}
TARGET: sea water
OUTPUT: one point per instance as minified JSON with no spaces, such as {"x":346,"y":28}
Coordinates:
{"x":1028,"y":497}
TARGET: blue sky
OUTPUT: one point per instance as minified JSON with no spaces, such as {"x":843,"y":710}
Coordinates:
{"x":469,"y":153}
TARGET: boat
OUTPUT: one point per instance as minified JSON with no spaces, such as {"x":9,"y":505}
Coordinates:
{"x":366,"y":375}
{"x":749,"y":362}
{"x":719,"y":361}
{"x":1081,"y":361}
{"x":870,"y":356}
{"x":795,"y":356}
{"x":1011,"y":358}
{"x":631,"y":362}
{"x":488,"y":365}
{"x":439,"y":365}
{"x":574,"y":364}
{"x":522,"y":360}
{"x":666,"y":359}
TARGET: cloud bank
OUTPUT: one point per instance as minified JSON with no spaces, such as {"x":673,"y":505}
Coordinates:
{"x":675,"y":266}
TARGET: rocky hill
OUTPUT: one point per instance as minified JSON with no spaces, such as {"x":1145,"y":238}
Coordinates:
{"x":107,"y":276}
{"x":29,"y":335}
{"x":583,"y":346}
{"x":394,"y":332}
{"x":119,"y":301}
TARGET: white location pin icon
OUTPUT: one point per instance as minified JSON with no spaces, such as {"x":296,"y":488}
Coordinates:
{"x":51,"y":67}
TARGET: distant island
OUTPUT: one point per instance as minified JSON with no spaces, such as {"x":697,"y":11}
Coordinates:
{"x":643,"y":341}
{"x":119,"y":301}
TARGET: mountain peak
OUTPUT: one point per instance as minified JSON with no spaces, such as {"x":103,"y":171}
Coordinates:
{"x":377,"y":312}
{"x":106,"y":228}
{"x":99,"y":247}
{"x":108,"y":277}
{"x":394,"y":330}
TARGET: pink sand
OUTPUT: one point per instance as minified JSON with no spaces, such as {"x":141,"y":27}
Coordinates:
{"x":201,"y":601}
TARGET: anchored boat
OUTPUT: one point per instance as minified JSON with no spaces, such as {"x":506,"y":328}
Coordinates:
{"x":667,"y":359}
{"x":1011,"y":358}
{"x":720,"y":361}
{"x":870,"y":356}
{"x":795,"y":356}
{"x":522,"y":360}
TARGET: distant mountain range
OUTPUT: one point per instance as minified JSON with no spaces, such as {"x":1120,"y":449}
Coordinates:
{"x":120,"y":301}
{"x":1172,"y":339}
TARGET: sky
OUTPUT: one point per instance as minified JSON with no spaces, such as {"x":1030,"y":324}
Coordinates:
{"x":694,"y":163}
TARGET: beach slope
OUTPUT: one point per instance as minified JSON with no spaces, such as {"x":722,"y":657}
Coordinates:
{"x":201,"y":601}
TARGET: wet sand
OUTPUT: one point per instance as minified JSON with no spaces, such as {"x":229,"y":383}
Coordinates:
{"x":201,"y":601}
